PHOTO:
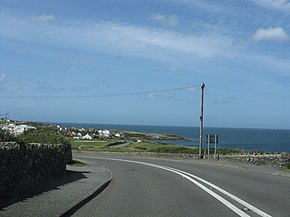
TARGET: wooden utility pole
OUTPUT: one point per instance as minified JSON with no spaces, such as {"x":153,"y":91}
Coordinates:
{"x":201,"y":121}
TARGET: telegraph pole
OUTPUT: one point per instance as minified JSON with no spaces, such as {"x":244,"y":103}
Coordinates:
{"x":201,"y":121}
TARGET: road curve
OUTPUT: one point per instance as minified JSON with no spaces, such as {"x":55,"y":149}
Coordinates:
{"x":159,"y":187}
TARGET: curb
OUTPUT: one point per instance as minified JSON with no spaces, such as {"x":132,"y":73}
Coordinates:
{"x":86,"y":199}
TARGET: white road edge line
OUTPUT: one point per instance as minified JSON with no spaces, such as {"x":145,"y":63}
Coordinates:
{"x":188,"y":177}
{"x":242,"y":202}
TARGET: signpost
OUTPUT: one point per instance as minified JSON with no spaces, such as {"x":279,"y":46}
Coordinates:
{"x":212,"y":138}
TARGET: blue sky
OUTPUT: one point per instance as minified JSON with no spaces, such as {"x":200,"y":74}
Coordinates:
{"x":61,"y":48}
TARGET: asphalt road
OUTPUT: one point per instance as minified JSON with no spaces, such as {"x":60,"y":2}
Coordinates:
{"x":141,"y":189}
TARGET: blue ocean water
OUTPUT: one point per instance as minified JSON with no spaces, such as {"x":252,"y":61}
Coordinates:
{"x":269,"y":140}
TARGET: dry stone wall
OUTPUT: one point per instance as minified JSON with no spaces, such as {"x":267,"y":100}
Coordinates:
{"x":21,"y":166}
{"x":280,"y":160}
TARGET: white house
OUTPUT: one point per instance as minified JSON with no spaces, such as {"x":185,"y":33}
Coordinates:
{"x":105,"y":133}
{"x":17,"y":129}
{"x":87,"y":136}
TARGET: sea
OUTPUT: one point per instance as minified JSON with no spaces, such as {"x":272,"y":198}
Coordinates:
{"x":268,"y":140}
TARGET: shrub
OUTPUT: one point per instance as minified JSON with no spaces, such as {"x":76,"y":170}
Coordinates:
{"x":47,"y":136}
{"x":5,"y":136}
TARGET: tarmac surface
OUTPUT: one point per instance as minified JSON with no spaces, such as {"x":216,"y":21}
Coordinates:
{"x":114,"y":184}
{"x":149,"y":186}
{"x":60,"y":196}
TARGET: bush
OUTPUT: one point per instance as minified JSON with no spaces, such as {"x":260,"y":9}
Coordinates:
{"x":5,"y":136}
{"x":47,"y":136}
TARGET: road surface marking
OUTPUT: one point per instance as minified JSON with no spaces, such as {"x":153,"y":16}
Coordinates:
{"x":244,"y":203}
{"x":190,"y":177}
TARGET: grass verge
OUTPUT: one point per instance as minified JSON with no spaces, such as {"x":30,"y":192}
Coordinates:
{"x":77,"y":163}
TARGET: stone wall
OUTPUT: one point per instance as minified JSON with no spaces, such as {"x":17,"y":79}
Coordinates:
{"x":21,"y":166}
{"x":279,"y":160}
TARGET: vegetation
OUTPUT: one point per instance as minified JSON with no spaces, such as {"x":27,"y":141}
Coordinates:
{"x":47,"y":136}
{"x":53,"y":136}
{"x":44,"y":135}
{"x":147,"y":146}
{"x":77,"y":163}
{"x":89,"y":145}
{"x":149,"y":136}
{"x":5,"y":136}
{"x":161,"y":148}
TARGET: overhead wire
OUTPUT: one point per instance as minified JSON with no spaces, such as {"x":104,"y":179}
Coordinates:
{"x":4,"y":114}
{"x":100,"y":95}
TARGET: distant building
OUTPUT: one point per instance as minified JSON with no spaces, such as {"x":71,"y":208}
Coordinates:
{"x":87,"y":136}
{"x":105,"y":133}
{"x":17,"y":129}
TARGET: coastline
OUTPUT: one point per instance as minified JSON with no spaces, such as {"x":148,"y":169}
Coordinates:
{"x":248,"y":139}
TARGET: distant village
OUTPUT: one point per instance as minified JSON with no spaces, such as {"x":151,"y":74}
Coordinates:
{"x":88,"y":133}
{"x":17,"y":128}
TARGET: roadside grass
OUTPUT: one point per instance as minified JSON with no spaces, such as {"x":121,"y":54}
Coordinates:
{"x":88,"y":144}
{"x":161,"y":148}
{"x":146,"y":146}
{"x":77,"y":163}
{"x":288,"y":167}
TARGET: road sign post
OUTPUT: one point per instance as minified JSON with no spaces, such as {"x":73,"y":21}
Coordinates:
{"x":212,"y":139}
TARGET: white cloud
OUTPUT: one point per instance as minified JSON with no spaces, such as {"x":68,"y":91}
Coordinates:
{"x":270,"y":34}
{"x":10,"y":89}
{"x":2,"y":77}
{"x":192,"y":89}
{"x":13,"y":88}
{"x":72,"y":69}
{"x":115,"y":37}
{"x":167,"y":20}
{"x":202,"y":4}
{"x":160,"y":96}
{"x":131,"y":40}
{"x":281,"y":5}
{"x":43,"y":18}
{"x":50,"y":88}
{"x":78,"y":89}
{"x":277,"y":64}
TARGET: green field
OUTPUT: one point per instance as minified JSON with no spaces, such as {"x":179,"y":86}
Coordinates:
{"x":89,"y":145}
{"x":161,"y":148}
{"x":148,"y":146}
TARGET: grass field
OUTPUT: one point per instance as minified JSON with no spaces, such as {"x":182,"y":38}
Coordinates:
{"x":161,"y":148}
{"x":94,"y":145}
{"x":89,"y":144}
{"x":134,"y":147}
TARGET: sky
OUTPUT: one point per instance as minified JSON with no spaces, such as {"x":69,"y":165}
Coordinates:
{"x":74,"y":60}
